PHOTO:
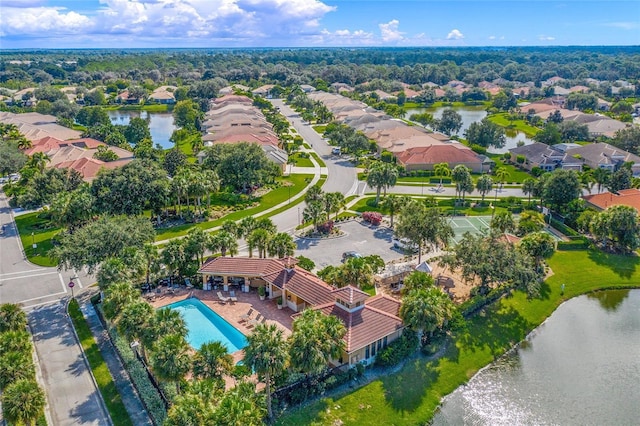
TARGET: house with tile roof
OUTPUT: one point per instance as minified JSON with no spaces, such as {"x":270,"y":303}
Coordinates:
{"x":624,"y":197}
{"x":604,"y":156}
{"x":371,"y":322}
{"x":545,"y":157}
{"x":426,"y":157}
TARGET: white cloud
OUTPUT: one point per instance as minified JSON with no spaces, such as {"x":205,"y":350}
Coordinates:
{"x":623,"y":25}
{"x":546,"y":38}
{"x":201,"y":20}
{"x":455,"y":35}
{"x":343,"y":38}
{"x":389,"y":31}
{"x":492,"y":37}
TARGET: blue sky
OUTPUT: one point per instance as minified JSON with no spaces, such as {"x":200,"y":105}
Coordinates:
{"x":291,"y":23}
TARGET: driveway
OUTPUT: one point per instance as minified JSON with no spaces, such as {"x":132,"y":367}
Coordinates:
{"x":366,"y":240}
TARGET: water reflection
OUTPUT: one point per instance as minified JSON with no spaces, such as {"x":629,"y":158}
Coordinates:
{"x":160,"y":124}
{"x":580,"y":368}
{"x":471,"y":114}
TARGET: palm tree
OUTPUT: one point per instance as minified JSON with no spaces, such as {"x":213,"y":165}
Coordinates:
{"x":587,"y":180}
{"x":246,"y":226}
{"x":316,"y":339}
{"x":281,"y":245}
{"x":12,"y":317}
{"x":259,"y":238}
{"x":116,"y":297}
{"x":313,"y":194}
{"x":417,"y":280}
{"x":171,"y":360}
{"x":196,"y":243}
{"x":150,"y":255}
{"x":134,"y":319}
{"x":211,"y":184}
{"x":460,"y":175}
{"x":212,"y":361}
{"x":23,"y":402}
{"x":224,"y":242}
{"x":503,"y":222}
{"x":38,"y":161}
{"x":426,"y":309}
{"x":529,"y":187}
{"x":240,"y":406}
{"x":165,"y":321}
{"x":266,"y":354}
{"x":173,"y":255}
{"x":382,"y":176}
{"x":393,"y":203}
{"x":17,"y":340}
{"x":601,"y":176}
{"x":442,"y":170}
{"x":502,"y":174}
{"x":313,"y":212}
{"x":484,"y":185}
{"x":15,"y":366}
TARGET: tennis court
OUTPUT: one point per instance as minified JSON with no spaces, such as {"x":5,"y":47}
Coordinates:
{"x":471,"y":224}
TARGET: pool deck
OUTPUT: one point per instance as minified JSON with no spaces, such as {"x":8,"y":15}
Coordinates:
{"x":232,"y":311}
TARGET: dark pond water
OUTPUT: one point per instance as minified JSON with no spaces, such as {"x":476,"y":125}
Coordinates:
{"x":475,"y":114}
{"x":581,"y":367}
{"x":160,"y":124}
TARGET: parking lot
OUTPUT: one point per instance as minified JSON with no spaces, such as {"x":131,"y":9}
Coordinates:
{"x":359,"y":237}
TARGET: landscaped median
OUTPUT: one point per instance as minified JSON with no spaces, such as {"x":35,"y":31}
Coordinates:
{"x":411,"y":396}
{"x":99,"y":367}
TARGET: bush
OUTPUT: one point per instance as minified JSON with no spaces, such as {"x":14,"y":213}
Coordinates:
{"x":479,"y":301}
{"x":373,"y":218}
{"x":478,"y":149}
{"x":326,"y":228}
{"x":398,"y":350}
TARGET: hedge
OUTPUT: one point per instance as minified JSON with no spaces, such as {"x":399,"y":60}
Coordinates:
{"x":580,"y":243}
{"x":564,"y":228}
{"x":398,"y":350}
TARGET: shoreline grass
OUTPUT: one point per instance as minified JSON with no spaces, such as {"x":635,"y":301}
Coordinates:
{"x":412,"y":395}
{"x":99,"y":367}
{"x":502,"y":120}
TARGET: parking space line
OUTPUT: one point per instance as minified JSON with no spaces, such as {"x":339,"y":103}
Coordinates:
{"x":42,"y":297}
{"x":64,"y":286}
{"x":26,"y":276}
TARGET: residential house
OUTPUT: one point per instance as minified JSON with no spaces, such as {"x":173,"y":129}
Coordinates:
{"x":264,"y":91}
{"x":36,"y":126}
{"x":454,"y":154}
{"x":604,"y":156}
{"x":306,"y":88}
{"x":545,"y":157}
{"x":164,"y":95}
{"x":371,"y":322}
{"x":624,"y":197}
{"x":341,"y":87}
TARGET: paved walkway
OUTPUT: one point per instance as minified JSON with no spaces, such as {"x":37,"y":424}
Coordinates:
{"x":72,"y":395}
{"x":135,"y":409}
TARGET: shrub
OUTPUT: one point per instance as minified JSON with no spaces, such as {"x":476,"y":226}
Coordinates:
{"x":373,"y":218}
{"x":478,"y":149}
{"x":326,"y":228}
{"x":398,"y":350}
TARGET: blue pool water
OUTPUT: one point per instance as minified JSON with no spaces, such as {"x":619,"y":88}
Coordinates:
{"x":204,"y":326}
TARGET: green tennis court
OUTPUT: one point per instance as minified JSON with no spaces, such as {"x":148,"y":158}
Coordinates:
{"x":471,"y":224}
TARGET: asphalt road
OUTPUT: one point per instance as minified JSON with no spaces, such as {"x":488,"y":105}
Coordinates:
{"x":23,"y":282}
{"x":341,"y":174}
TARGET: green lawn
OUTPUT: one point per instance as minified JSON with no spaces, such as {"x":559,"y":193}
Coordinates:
{"x":410,"y":396}
{"x":300,"y":161}
{"x":319,"y":128}
{"x":515,"y":175}
{"x":277,"y":196}
{"x":318,"y":159}
{"x":107,"y":387}
{"x":32,"y":230}
{"x":502,"y":120}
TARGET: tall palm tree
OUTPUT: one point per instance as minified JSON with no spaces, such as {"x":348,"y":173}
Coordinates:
{"x":259,"y":238}
{"x":151,"y":257}
{"x":314,"y":212}
{"x":212,"y":361}
{"x":382,"y":176}
{"x":12,"y":317}
{"x":281,"y":245}
{"x":134,"y":319}
{"x":23,"y":402}
{"x":601,"y":176}
{"x":15,"y":366}
{"x":502,"y":174}
{"x":196,"y":243}
{"x":529,"y":187}
{"x":460,"y":175}
{"x":171,"y":360}
{"x":442,"y":170}
{"x":240,"y":406}
{"x":166,"y":321}
{"x":393,"y":204}
{"x":266,"y":354}
{"x":223,"y":241}
{"x":316,"y":339}
{"x":211,"y":184}
{"x":484,"y":185}
{"x":38,"y":161}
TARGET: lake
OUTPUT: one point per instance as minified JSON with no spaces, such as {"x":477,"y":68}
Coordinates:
{"x":160,"y":124}
{"x":470,"y":115}
{"x":580,"y":367}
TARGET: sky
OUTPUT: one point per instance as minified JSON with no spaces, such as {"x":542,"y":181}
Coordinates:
{"x":315,"y":23}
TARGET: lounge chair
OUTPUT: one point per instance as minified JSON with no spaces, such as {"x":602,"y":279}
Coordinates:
{"x":254,"y":321}
{"x":222,"y":298}
{"x":247,"y":316}
{"x":232,"y":296}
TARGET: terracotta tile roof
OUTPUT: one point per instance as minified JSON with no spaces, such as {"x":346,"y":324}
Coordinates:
{"x":434,"y":154}
{"x":625,"y":197}
{"x":350,"y":294}
{"x":303,"y":284}
{"x":89,"y":167}
{"x":384,"y":303}
{"x":249,"y":266}
{"x":364,"y":326}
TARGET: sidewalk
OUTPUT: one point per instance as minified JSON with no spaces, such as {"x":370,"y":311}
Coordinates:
{"x":135,"y":408}
{"x":72,"y":395}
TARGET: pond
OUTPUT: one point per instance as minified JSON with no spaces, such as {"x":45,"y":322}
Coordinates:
{"x":581,"y":367}
{"x":470,"y":115}
{"x":160,"y":124}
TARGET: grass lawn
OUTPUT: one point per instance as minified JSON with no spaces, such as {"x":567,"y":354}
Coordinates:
{"x":318,"y":159}
{"x":33,"y":229}
{"x":515,"y":175}
{"x":502,"y":120}
{"x":271,"y":199}
{"x":300,"y":161}
{"x":319,"y":128}
{"x":107,"y":387}
{"x":410,"y":396}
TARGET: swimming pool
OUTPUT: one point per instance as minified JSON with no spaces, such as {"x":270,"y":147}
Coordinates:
{"x":204,"y":326}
